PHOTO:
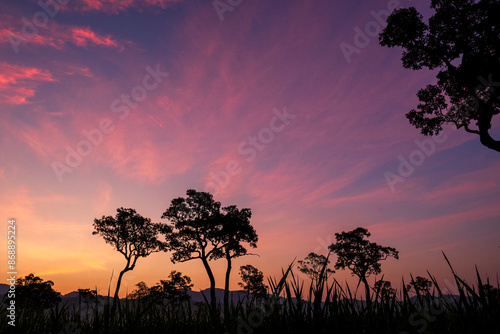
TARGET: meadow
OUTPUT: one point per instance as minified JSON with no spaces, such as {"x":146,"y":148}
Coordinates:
{"x":293,"y":306}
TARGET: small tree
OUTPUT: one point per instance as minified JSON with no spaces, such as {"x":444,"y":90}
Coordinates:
{"x":33,"y":293}
{"x":313,"y":265}
{"x":174,"y":289}
{"x":142,"y":291}
{"x":88,"y":296}
{"x":130,"y":234}
{"x":384,"y":290}
{"x":361,"y":256}
{"x":253,"y":281}
{"x":420,"y":284}
{"x":490,"y":292}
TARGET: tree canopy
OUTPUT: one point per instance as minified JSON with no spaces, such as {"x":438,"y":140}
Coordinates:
{"x":420,"y":284}
{"x":312,"y":266}
{"x":253,"y":280}
{"x":32,"y":292}
{"x":384,"y":290}
{"x":173,"y":290}
{"x":461,"y":40}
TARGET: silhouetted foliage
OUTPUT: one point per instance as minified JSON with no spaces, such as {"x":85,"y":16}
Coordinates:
{"x":142,"y":291}
{"x":171,"y":291}
{"x":384,"y":290}
{"x":461,"y":40}
{"x":235,"y":230}
{"x":174,"y":289}
{"x":420,"y":285}
{"x":253,"y":280}
{"x":130,"y":234}
{"x":33,"y":293}
{"x":312,"y":266}
{"x":195,"y":232}
{"x":201,"y":230}
{"x":87,"y":295}
{"x":491,"y":292}
{"x":360,"y":255}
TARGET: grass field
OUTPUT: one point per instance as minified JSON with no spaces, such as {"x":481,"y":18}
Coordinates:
{"x":294,"y":306}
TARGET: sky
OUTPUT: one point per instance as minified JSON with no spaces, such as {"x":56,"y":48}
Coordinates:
{"x":289,"y":108}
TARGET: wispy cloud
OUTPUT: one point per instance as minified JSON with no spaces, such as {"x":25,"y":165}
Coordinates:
{"x":116,"y":6}
{"x":55,"y":35}
{"x":18,"y":83}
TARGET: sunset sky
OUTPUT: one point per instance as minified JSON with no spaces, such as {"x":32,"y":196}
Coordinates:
{"x":290,"y":108}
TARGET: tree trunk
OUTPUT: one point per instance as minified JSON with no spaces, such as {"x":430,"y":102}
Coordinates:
{"x":484,"y":126}
{"x":115,"y":298}
{"x":226,"y":286}
{"x":213,"y":301}
{"x":367,"y":292}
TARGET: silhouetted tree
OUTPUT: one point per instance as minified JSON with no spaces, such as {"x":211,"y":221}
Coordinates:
{"x":420,"y":284}
{"x":195,"y":232}
{"x":235,"y":230}
{"x":384,"y":290}
{"x":461,"y":40}
{"x":130,"y":234}
{"x":173,"y":290}
{"x":253,"y":281}
{"x":87,"y":295}
{"x":360,"y":255}
{"x":312,"y":266}
{"x":142,"y":291}
{"x":490,"y":292}
{"x":33,"y":293}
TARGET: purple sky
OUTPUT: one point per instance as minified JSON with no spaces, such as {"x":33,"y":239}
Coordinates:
{"x":280,"y":106}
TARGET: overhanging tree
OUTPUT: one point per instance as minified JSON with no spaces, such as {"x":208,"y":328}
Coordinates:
{"x":360,"y":255}
{"x":462,"y":41}
{"x":130,"y":234}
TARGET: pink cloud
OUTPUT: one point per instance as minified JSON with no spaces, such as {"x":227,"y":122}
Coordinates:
{"x":18,"y":83}
{"x":436,"y":224}
{"x":85,"y":36}
{"x":54,"y":35}
{"x":116,"y":6}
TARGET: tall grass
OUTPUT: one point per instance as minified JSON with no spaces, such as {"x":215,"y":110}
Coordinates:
{"x":294,"y":306}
